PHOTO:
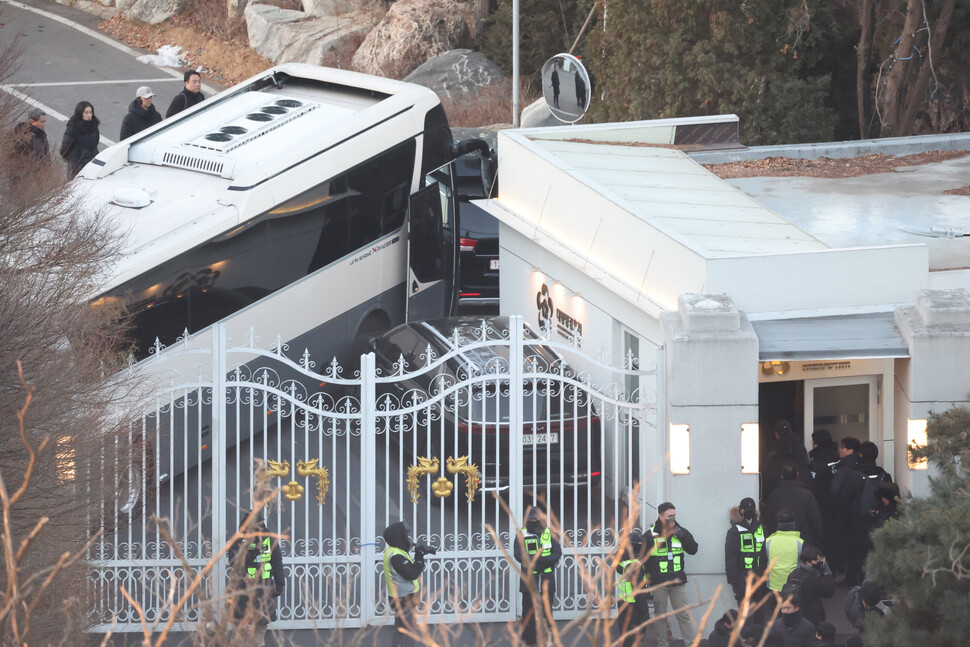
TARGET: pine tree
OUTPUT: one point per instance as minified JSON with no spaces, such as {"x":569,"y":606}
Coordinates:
{"x":923,"y":557}
{"x":667,"y":58}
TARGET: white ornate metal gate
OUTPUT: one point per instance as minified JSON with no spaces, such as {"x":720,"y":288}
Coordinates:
{"x":356,"y":453}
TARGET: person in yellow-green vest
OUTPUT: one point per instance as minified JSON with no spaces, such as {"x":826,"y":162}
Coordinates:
{"x":258,"y":580}
{"x":673,"y":542}
{"x":782,"y":549}
{"x":402,"y":576}
{"x":744,"y":550}
{"x":538,"y":553}
{"x":633,"y":577}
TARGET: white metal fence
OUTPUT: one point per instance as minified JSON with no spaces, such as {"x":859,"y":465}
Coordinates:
{"x":527,"y":413}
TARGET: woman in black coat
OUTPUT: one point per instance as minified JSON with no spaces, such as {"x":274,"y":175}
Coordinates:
{"x":81,"y":137}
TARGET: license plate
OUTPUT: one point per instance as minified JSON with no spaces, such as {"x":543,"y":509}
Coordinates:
{"x":540,"y":439}
{"x":493,"y":264}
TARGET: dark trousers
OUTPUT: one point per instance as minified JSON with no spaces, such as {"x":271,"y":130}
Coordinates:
{"x":531,"y":614}
{"x":404,"y":612}
{"x":632,"y":617}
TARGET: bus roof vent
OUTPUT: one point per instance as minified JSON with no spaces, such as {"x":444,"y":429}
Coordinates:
{"x":192,"y":162}
{"x":255,"y":122}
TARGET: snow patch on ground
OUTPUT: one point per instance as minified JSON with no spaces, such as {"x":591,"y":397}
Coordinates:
{"x":168,"y":56}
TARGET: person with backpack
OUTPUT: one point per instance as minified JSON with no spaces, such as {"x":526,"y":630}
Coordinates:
{"x":865,"y":601}
{"x":861,"y":488}
{"x":812,"y":581}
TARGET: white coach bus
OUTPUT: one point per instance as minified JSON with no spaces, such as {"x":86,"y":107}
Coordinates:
{"x":317,"y":204}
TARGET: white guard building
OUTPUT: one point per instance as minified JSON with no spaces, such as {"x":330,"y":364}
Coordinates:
{"x":762,"y":299}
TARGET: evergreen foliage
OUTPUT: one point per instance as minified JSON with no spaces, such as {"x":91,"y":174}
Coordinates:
{"x":667,"y":58}
{"x":922,"y":558}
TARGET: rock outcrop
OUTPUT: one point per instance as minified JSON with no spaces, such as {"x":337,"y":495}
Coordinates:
{"x":412,"y":32}
{"x":325,"y":8}
{"x":151,"y":11}
{"x":458,"y":74}
{"x":284,"y":36}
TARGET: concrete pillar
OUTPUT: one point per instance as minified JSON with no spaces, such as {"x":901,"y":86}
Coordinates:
{"x":711,"y":373}
{"x":936,"y":376}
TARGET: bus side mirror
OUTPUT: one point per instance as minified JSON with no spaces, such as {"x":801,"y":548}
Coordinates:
{"x":484,"y":181}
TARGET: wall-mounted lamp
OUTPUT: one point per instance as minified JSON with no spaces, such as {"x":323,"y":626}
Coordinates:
{"x":679,"y":449}
{"x":916,"y":435}
{"x":750,"y":440}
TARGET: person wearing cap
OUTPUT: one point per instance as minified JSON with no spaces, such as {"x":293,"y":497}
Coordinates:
{"x":632,"y":580}
{"x":402,"y":576}
{"x":141,"y":113}
{"x":257,"y":580}
{"x":538,"y":553}
{"x":744,"y":550}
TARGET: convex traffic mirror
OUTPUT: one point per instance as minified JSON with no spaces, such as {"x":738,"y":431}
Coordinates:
{"x":565,"y":87}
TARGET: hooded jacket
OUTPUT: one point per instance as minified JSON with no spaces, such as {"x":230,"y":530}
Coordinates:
{"x":396,"y":535}
{"x":138,"y":119}
{"x":733,"y":560}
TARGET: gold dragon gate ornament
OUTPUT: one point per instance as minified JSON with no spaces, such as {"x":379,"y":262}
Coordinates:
{"x":443,"y":487}
{"x":293,"y":491}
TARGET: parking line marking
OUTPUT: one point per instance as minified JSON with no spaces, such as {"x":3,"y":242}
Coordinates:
{"x":105,"y":82}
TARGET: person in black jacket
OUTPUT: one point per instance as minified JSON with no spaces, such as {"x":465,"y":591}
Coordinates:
{"x":848,"y":459}
{"x":35,"y":130}
{"x":786,"y":450}
{"x":744,"y":550}
{"x":668,"y":564}
{"x":825,"y":635}
{"x":190,"y":95}
{"x":258,"y":579}
{"x":859,"y":489}
{"x":791,"y":628}
{"x":813,"y":580}
{"x":402,"y":576}
{"x":81,"y":137}
{"x":721,"y":636}
{"x":822,"y":460}
{"x":538,"y":553}
{"x":797,"y":498}
{"x":141,"y":113}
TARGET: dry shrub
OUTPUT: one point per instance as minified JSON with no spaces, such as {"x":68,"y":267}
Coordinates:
{"x":212,"y":17}
{"x":490,"y":105}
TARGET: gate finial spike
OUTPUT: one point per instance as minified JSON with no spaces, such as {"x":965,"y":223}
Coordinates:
{"x":306,"y":362}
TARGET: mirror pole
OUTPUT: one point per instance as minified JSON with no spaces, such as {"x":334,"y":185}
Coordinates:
{"x":515,"y":63}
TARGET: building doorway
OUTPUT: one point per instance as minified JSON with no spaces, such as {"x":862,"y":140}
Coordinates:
{"x":845,"y":406}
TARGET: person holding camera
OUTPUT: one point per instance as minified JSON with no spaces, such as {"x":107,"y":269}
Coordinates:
{"x":542,"y":553}
{"x":812,"y":581}
{"x":402,"y":574}
{"x":672,"y":542}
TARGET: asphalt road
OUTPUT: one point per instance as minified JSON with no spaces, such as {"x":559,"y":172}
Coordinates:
{"x":64,"y":60}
